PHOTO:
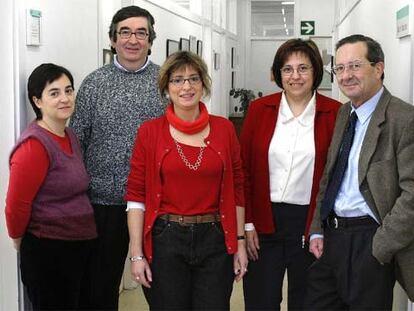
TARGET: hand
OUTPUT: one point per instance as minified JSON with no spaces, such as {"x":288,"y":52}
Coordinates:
{"x":316,"y":247}
{"x":240,"y":261}
{"x":16,"y":243}
{"x":141,"y":272}
{"x":252,"y":245}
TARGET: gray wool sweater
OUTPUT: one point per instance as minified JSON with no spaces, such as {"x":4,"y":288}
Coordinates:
{"x":110,"y":106}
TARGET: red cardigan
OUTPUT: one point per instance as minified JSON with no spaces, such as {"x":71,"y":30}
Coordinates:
{"x":153,"y":143}
{"x":257,"y":132}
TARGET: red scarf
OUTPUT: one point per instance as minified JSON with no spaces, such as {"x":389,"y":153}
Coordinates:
{"x":185,"y":126}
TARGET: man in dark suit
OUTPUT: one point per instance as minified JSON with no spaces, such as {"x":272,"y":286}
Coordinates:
{"x":363,"y":229}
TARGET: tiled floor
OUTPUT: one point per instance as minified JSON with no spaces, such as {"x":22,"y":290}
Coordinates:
{"x":133,"y":299}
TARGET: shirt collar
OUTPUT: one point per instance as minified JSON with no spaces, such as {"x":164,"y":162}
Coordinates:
{"x":305,"y":118}
{"x":118,"y":64}
{"x":365,"y":111}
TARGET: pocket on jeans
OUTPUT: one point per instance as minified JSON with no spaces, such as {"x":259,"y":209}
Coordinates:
{"x":159,"y":228}
{"x":217,"y":228}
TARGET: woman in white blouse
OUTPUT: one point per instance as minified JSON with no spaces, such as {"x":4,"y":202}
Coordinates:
{"x":284,"y":141}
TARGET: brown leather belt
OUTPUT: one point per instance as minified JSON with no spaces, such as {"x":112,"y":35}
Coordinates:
{"x":190,"y":220}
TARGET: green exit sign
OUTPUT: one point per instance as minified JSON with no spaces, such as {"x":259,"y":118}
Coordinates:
{"x":307,"y":28}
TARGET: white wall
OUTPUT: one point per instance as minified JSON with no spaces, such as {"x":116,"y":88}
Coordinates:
{"x":367,"y":17}
{"x":69,"y":38}
{"x":320,"y":11}
{"x":8,"y":259}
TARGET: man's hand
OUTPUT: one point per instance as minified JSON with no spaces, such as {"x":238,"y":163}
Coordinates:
{"x":316,"y":247}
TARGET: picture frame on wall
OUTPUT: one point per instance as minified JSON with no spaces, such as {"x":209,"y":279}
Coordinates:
{"x":216,"y":61}
{"x":325,"y":48}
{"x":184,"y":44}
{"x":233,"y":57}
{"x":172,"y":46}
{"x":108,"y":56}
{"x":200,"y":48}
{"x":193,"y":44}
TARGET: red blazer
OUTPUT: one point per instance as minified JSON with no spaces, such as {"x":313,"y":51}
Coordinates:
{"x":153,"y":143}
{"x":256,"y":134}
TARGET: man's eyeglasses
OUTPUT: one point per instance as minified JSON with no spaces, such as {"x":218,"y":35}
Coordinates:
{"x":301,"y":69}
{"x":354,"y":67}
{"x":179,"y":81}
{"x":127,"y":33}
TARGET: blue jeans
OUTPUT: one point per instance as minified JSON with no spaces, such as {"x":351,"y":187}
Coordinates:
{"x":191,"y":269}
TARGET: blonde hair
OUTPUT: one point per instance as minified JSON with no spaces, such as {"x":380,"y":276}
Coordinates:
{"x":180,"y":60}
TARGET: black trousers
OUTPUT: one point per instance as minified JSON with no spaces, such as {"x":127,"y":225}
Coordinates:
{"x":107,"y":262}
{"x":347,"y":276}
{"x":279,"y":252}
{"x":53,"y":270}
{"x":191,"y":269}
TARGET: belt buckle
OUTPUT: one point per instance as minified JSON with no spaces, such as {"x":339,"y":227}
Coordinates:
{"x":336,"y":224}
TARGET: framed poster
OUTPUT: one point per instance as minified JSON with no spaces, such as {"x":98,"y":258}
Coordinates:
{"x":108,"y":56}
{"x":325,"y":48}
{"x":172,"y":47}
{"x":193,"y":44}
{"x":184,"y":44}
{"x":200,"y":48}
{"x":233,"y":57}
{"x":216,"y":61}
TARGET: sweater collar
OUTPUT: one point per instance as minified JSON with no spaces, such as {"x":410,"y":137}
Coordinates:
{"x":118,"y":65}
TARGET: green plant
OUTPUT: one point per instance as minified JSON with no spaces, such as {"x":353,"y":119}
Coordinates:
{"x":245,"y":96}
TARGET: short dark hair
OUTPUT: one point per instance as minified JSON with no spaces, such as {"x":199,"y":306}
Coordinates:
{"x":179,"y":60}
{"x":40,"y":77}
{"x":375,"y":53}
{"x":128,"y":12}
{"x":306,"y":47}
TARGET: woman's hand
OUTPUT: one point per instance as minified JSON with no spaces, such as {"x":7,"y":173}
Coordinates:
{"x":240,"y":261}
{"x":141,"y":272}
{"x":252,"y":245}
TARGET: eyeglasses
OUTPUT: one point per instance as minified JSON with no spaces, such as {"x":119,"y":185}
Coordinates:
{"x":193,"y":80}
{"x":354,"y":67}
{"x":127,"y":33}
{"x":301,"y":69}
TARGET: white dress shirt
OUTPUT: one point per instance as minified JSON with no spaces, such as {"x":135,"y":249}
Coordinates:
{"x":349,"y":201}
{"x":292,"y":155}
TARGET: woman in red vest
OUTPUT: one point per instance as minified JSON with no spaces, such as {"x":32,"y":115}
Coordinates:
{"x":185,"y":197}
{"x":284,"y":142}
{"x":48,"y":213}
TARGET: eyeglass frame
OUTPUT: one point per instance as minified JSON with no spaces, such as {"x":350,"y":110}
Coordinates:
{"x":351,"y":66}
{"x":181,"y":84}
{"x":136,"y":33}
{"x":297,"y":69}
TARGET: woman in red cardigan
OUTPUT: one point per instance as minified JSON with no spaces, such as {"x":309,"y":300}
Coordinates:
{"x":284,"y":143}
{"x":185,"y":198}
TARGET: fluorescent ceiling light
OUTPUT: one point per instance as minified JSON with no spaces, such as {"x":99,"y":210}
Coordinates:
{"x":283,"y":11}
{"x":288,"y":2}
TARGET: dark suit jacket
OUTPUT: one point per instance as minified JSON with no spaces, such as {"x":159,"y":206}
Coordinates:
{"x":386,"y":181}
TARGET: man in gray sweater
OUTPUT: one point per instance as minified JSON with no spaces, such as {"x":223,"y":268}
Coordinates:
{"x":111,"y":104}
